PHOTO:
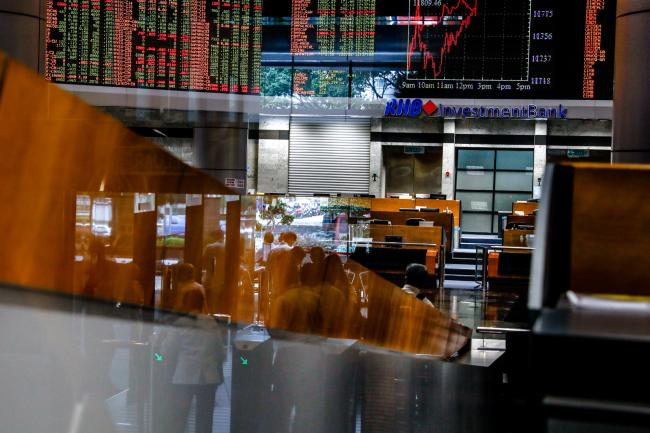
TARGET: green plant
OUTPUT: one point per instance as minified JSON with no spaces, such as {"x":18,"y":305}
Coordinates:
{"x":273,"y":215}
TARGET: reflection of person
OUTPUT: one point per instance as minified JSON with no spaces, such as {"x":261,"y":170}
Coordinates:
{"x":312,"y":273}
{"x":194,"y":353}
{"x":128,"y":288}
{"x":287,"y":240}
{"x":296,"y":310}
{"x":214,"y":264}
{"x":290,"y":238}
{"x":416,"y":279}
{"x":282,"y":264}
{"x":98,"y":284}
{"x":339,"y":312}
{"x":186,"y":283}
{"x":262,"y":256}
{"x":335,"y":274}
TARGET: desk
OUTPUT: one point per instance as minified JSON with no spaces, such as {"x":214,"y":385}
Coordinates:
{"x":444,"y":220}
{"x":526,"y":207}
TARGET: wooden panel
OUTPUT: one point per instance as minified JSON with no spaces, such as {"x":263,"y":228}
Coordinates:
{"x":493,"y":265}
{"x":525,"y":207}
{"x":414,"y":235}
{"x":453,"y":205}
{"x":610,"y":225}
{"x":390,"y":204}
{"x":513,"y":238}
{"x":528,"y":220}
{"x":439,"y":219}
{"x":395,"y":204}
{"x":54,"y":146}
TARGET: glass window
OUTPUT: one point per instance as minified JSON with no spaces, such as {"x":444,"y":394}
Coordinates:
{"x":515,"y":160}
{"x":503,"y":201}
{"x":477,"y":223}
{"x":475,"y":180}
{"x":473,"y":159}
{"x":476,"y":201}
{"x":513,"y":181}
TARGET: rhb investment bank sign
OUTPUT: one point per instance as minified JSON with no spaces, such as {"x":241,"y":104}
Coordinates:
{"x":416,"y":108}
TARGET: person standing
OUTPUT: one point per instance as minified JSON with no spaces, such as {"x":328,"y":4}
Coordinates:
{"x":194,"y":352}
{"x":214,"y":266}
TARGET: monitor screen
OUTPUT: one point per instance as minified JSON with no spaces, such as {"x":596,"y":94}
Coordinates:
{"x":368,"y":49}
{"x":489,"y":49}
{"x":163,"y":44}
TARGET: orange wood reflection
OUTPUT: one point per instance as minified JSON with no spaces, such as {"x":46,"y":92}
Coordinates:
{"x":55,"y":148}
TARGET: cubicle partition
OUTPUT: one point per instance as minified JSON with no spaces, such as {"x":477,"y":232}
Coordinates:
{"x":589,"y":292}
{"x":443,"y":220}
{"x":524,"y":208}
{"x":395,"y":205}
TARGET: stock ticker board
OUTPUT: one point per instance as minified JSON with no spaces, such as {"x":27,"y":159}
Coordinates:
{"x":159,"y":44}
{"x":544,"y":49}
{"x":512,"y":48}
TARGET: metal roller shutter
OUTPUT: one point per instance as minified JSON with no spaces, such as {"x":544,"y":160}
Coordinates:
{"x":329,"y":155}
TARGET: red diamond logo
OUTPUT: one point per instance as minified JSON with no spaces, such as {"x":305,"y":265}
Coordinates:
{"x":430,"y":108}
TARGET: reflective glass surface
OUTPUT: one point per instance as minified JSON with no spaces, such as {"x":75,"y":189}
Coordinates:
{"x":477,"y":223}
{"x":475,"y":201}
{"x":473,"y":159}
{"x":475,"y":180}
{"x":504,"y":201}
{"x":514,"y":181}
{"x":515,"y":160}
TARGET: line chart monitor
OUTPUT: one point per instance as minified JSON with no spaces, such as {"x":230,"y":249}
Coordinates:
{"x":479,"y":40}
{"x":545,"y":49}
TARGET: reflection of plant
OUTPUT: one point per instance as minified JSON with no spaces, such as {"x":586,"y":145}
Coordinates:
{"x":354,"y":207}
{"x":171,"y":242}
{"x":276,"y":81}
{"x":273,"y":215}
{"x":377,"y":84}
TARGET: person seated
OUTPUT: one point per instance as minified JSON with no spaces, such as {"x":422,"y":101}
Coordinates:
{"x":416,"y":280}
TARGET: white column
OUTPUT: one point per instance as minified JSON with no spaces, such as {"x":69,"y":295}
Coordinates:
{"x":377,"y":172}
{"x":541,"y":131}
{"x":449,"y":159}
{"x":273,"y":156}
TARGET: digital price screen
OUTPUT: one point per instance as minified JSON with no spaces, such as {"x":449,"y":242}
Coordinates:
{"x":515,"y":49}
{"x":333,"y":27}
{"x":202,"y":45}
{"x":511,"y":48}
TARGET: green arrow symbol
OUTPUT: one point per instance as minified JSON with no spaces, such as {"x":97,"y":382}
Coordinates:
{"x":158,"y":357}
{"x":244,"y":361}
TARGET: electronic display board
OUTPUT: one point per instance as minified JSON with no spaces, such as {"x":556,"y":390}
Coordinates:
{"x":520,"y":49}
{"x":200,"y":45}
{"x":541,"y":49}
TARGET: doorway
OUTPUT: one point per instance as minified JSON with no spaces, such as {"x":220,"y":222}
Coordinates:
{"x":413,"y":170}
{"x":488,"y":181}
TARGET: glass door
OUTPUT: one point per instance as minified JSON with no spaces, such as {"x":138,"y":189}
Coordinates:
{"x":489,"y":181}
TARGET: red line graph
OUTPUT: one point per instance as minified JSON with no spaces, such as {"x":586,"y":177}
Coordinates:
{"x":432,"y":60}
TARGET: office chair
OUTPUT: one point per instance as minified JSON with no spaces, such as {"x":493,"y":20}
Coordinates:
{"x":414,"y":222}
